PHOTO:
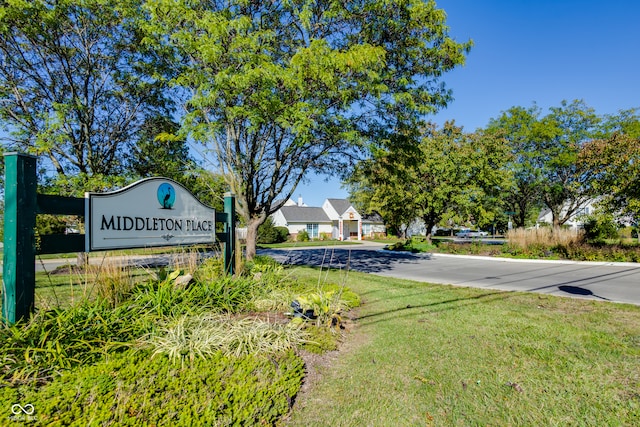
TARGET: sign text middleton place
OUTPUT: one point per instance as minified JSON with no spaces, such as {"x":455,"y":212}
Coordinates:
{"x":150,"y":212}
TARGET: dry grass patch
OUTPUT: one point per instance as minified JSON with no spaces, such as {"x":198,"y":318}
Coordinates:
{"x":544,"y":236}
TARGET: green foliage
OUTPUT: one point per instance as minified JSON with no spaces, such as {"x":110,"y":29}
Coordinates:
{"x":327,"y":304}
{"x":599,"y":228}
{"x":162,"y":352}
{"x":320,"y":340}
{"x":616,"y":161}
{"x":273,"y":86}
{"x":135,"y":389}
{"x":50,"y":224}
{"x":269,"y":233}
{"x":427,"y":172}
{"x":283,"y":234}
{"x":598,"y":252}
{"x":164,"y":298}
{"x":76,"y":83}
{"x":302,"y":236}
{"x":157,"y":153}
{"x":414,"y":244}
{"x":61,"y":339}
{"x":208,"y":187}
{"x":347,"y":297}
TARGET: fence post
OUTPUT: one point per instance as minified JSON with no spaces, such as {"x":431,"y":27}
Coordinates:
{"x":230,"y":232}
{"x":18,"y":273}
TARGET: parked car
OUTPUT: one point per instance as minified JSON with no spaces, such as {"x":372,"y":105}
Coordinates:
{"x":467,"y":234}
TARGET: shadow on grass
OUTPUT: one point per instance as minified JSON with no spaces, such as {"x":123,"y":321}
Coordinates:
{"x":456,"y":303}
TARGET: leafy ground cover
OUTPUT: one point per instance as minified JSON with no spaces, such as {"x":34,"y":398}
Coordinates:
{"x":441,"y":356}
{"x":169,"y":348}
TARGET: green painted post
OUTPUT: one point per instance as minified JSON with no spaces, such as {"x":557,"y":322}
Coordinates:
{"x":230,"y":233}
{"x":18,"y":274}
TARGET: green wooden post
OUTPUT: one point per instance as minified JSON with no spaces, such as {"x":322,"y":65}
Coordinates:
{"x":230,"y":232}
{"x":19,"y":275}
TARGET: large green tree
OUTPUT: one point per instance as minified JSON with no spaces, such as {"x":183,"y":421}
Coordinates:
{"x":519,"y":127}
{"x":544,"y":152}
{"x":76,"y":85}
{"x":614,"y":160}
{"x":447,"y":171}
{"x":566,"y":187}
{"x":278,"y":89}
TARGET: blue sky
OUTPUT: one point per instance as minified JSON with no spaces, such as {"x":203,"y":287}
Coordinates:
{"x":526,"y":52}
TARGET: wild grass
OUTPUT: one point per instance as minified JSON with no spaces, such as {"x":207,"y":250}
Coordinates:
{"x":439,"y":356}
{"x":543,"y":236}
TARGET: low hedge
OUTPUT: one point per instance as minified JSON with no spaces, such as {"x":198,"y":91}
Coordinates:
{"x":135,"y":389}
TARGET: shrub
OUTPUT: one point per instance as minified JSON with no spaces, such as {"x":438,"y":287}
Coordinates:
{"x":320,"y":340}
{"x":599,"y":228}
{"x":325,"y":236}
{"x":135,"y":389}
{"x":302,"y":236}
{"x":269,"y":233}
{"x":283,"y":234}
{"x":53,"y":341}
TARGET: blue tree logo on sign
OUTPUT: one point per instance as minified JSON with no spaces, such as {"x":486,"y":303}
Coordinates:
{"x":166,"y":196}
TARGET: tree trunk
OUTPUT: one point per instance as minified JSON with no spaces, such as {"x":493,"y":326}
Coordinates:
{"x":429,"y":224}
{"x":252,"y":236}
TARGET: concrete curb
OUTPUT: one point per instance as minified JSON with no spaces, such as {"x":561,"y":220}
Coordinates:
{"x":539,"y":261}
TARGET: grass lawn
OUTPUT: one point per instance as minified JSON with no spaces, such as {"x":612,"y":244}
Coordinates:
{"x":434,"y":355}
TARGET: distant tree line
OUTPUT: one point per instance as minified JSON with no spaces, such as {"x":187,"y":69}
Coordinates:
{"x":521,"y":162}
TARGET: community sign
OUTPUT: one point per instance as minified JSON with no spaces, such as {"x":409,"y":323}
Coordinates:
{"x":150,"y":212}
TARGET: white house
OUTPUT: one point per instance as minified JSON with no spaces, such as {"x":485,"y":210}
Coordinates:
{"x":336,"y":218}
{"x":576,"y":220}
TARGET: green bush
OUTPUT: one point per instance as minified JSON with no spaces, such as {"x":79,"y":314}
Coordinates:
{"x":134,"y":389}
{"x":269,"y":233}
{"x":600,"y":228}
{"x":302,"y":236}
{"x":283,"y":234}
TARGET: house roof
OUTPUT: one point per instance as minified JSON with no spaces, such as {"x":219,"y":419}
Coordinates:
{"x":372,"y":218}
{"x":304,"y":214}
{"x":340,"y":205}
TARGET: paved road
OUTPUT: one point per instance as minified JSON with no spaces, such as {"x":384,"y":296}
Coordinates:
{"x":618,"y":282}
{"x":135,"y":260}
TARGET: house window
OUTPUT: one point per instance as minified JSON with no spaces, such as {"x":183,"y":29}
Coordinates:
{"x":312,"y":230}
{"x":367,"y":229}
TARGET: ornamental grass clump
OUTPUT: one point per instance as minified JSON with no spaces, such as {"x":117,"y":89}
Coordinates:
{"x":200,"y":336}
{"x":540,"y":242}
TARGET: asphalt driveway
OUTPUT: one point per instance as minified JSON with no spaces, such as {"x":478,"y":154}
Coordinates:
{"x":616,"y":282}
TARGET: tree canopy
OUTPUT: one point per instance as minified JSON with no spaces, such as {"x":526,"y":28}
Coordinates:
{"x":76,"y":84}
{"x":544,"y":153}
{"x":445,"y":170}
{"x":278,"y":89}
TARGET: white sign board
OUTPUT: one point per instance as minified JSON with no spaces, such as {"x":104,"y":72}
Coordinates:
{"x":150,"y":212}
